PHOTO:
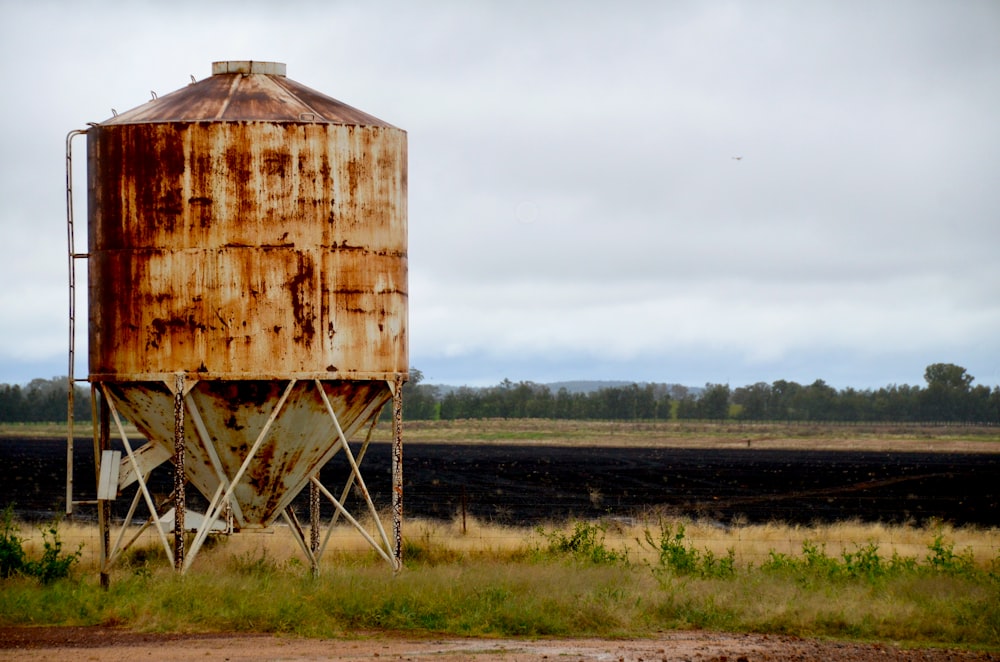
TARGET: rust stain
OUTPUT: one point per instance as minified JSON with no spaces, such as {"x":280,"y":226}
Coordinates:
{"x":215,"y":240}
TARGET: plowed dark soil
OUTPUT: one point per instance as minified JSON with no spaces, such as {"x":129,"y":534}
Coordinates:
{"x":521,"y":484}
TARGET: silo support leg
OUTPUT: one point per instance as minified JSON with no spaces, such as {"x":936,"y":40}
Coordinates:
{"x":356,"y":473}
{"x":138,"y":472}
{"x":102,"y":442}
{"x":397,"y":472}
{"x":180,"y":501}
{"x":300,"y":538}
{"x":314,"y":524}
{"x":382,"y":551}
{"x":315,"y":484}
{"x":118,"y":547}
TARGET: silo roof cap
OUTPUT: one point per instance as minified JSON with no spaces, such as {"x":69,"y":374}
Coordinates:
{"x":248,"y":67}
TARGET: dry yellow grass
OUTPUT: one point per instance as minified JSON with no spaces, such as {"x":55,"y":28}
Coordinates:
{"x":681,"y":434}
{"x":703,"y":434}
{"x":752,"y":543}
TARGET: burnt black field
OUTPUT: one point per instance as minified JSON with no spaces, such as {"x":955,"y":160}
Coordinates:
{"x":528,"y":485}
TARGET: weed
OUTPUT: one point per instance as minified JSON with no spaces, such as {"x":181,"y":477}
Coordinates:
{"x":53,"y":564}
{"x":864,"y":563}
{"x":12,"y":557}
{"x":683,"y":559}
{"x":585,"y":543}
{"x":141,"y":559}
{"x":256,"y":565}
{"x":816,"y":562}
{"x":423,"y":550}
{"x":942,"y":557}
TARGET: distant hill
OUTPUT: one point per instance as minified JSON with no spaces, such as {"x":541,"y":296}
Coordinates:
{"x":584,"y":386}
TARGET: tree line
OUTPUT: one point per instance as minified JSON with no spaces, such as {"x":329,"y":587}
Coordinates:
{"x":42,"y":401}
{"x":949,"y":396}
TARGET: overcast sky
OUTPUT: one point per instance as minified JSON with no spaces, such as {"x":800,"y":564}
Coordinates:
{"x":576,"y":209}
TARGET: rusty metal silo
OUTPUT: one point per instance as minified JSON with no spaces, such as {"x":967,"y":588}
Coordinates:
{"x":247,"y":282}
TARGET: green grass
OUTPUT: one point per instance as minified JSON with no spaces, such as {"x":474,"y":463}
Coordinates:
{"x":580,"y":579}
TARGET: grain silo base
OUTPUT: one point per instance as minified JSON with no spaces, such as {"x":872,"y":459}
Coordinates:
{"x":193,"y":450}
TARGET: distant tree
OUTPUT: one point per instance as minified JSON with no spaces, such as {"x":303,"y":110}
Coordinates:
{"x":993,"y":406}
{"x":896,"y":403}
{"x":754,"y":401}
{"x":853,"y":405}
{"x":783,"y":403}
{"x":687,"y":408}
{"x":714,"y":402}
{"x":12,"y":409}
{"x":817,"y":402}
{"x":420,"y":401}
{"x":563,"y":407}
{"x":542,"y":404}
{"x":947,"y":396}
{"x":948,"y":376}
{"x":463,"y":402}
{"x":42,"y":400}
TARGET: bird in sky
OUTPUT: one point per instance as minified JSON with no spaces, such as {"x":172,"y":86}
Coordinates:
{"x":737,"y":158}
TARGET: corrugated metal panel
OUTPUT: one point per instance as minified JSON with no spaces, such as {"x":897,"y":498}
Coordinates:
{"x":223,"y":248}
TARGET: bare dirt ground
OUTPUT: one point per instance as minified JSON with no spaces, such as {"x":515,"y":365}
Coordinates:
{"x":754,"y":480}
{"x":112,"y":645}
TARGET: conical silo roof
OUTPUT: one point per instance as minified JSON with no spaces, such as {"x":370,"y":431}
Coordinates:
{"x":246,"y":91}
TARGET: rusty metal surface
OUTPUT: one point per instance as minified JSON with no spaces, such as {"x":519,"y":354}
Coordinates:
{"x":225,"y":249}
{"x":301,"y":440}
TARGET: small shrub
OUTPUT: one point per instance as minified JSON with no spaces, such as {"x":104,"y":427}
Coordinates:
{"x":683,"y":559}
{"x":812,"y":565}
{"x":864,"y":563}
{"x":720,"y":567}
{"x":12,"y":557}
{"x":585,"y":543}
{"x":54,"y":564}
{"x":942,"y":558}
{"x":816,"y":562}
{"x":779,"y":562}
{"x":674,"y":554}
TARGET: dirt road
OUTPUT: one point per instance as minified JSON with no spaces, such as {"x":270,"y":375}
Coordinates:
{"x":110,"y":645}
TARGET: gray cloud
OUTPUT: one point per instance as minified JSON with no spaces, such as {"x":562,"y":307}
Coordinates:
{"x":574,"y":203}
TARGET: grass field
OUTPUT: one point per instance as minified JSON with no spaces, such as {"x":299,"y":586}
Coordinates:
{"x":934,"y":585}
{"x":708,"y":434}
{"x":693,"y":434}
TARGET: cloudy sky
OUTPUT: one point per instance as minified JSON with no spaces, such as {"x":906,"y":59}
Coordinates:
{"x":576,"y":209}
